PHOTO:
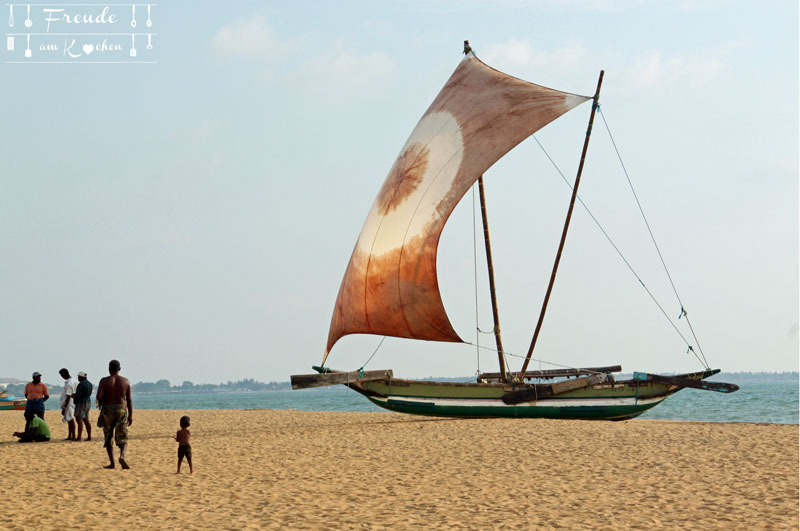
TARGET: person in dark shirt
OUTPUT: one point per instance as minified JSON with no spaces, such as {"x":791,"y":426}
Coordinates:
{"x":83,"y":404}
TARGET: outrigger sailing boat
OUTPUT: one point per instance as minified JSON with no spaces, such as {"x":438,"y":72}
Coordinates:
{"x":390,"y":287}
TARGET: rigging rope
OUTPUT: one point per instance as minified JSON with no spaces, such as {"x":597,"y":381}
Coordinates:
{"x":373,"y":354}
{"x":495,"y":329}
{"x":622,"y":256}
{"x":475,"y":264}
{"x":505,"y":352}
{"x":652,"y":237}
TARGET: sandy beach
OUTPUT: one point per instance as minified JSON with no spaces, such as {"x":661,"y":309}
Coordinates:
{"x":258,"y":469}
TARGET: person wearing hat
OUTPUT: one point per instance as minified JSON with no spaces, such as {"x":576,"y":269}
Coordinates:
{"x":83,"y":404}
{"x":37,"y":395}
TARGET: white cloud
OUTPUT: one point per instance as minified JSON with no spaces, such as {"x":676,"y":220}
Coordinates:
{"x":203,"y":130}
{"x":701,"y":5}
{"x":520,"y":55}
{"x":347,"y":70}
{"x":247,"y":38}
{"x":332,"y":69}
{"x":612,"y":5}
{"x":686,"y":69}
{"x":681,"y":70}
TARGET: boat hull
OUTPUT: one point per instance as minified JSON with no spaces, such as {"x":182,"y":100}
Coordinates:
{"x":612,"y":409}
{"x":608,"y":401}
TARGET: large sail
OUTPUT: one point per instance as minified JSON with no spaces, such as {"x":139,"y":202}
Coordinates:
{"x":390,"y":286}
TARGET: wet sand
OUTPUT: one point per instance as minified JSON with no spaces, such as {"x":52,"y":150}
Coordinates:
{"x":289,"y":469}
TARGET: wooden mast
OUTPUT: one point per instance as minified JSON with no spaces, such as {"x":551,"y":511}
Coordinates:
{"x":595,"y":104}
{"x":495,"y":314}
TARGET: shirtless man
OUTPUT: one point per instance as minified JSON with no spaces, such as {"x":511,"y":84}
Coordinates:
{"x":116,"y":412}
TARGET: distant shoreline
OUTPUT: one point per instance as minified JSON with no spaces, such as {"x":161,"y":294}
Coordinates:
{"x":250,"y":385}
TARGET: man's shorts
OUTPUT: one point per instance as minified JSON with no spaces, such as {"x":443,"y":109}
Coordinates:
{"x":82,"y":409}
{"x":114,"y":420}
{"x":35,"y":406}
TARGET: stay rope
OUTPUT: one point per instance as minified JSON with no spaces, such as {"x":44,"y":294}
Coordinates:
{"x":622,"y":256}
{"x":475,"y":267}
{"x":653,"y":238}
{"x":478,"y":330}
{"x":507,"y":353}
{"x":373,"y":353}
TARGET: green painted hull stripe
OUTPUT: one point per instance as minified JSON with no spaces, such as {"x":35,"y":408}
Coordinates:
{"x":576,"y":412}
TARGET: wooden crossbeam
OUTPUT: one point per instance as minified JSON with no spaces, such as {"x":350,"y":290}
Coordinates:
{"x":556,"y":373}
{"x":304,"y":381}
{"x":538,"y":391}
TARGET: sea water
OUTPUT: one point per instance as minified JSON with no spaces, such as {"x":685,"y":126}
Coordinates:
{"x":768,"y":401}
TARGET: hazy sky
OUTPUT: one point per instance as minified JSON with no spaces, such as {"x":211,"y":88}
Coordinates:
{"x":193,"y":218}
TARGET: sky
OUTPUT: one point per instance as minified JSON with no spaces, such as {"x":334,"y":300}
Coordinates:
{"x":192,"y":214}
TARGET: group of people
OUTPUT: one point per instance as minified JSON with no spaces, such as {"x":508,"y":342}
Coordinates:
{"x":76,"y":402}
{"x":113,"y":400}
{"x":116,"y":413}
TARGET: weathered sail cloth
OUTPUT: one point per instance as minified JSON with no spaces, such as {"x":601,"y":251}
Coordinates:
{"x":390,"y":286}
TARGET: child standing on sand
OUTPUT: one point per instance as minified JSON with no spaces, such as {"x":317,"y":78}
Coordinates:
{"x":184,"y":448}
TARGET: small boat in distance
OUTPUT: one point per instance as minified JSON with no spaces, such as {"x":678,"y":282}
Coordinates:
{"x":390,"y":286}
{"x":11,"y":402}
